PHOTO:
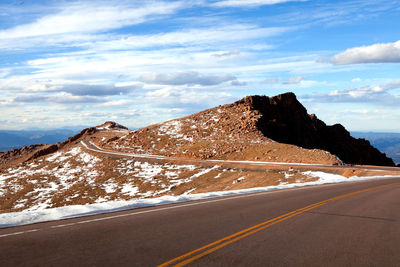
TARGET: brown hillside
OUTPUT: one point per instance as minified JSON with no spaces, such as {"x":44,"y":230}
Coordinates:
{"x":225,"y":132}
{"x":245,"y":130}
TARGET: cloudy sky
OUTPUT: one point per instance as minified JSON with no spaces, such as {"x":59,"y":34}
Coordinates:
{"x":68,"y":63}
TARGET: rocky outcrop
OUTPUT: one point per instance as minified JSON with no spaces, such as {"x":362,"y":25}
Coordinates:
{"x":108,"y":125}
{"x":19,"y":155}
{"x":284,"y":119}
{"x":44,"y":150}
{"x":84,"y":132}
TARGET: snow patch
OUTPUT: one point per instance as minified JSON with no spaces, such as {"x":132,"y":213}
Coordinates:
{"x":129,"y":190}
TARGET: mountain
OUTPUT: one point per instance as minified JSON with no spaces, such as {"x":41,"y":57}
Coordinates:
{"x":202,"y":153}
{"x":388,"y":143}
{"x":254,"y":128}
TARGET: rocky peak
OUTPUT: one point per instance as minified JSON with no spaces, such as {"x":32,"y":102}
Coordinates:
{"x":108,"y":125}
{"x":284,"y":119}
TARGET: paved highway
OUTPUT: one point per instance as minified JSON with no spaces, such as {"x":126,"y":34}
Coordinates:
{"x":348,"y":224}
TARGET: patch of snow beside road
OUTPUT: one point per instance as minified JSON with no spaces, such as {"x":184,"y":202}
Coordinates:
{"x":50,"y":214}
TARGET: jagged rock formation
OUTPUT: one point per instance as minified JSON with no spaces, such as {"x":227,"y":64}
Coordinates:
{"x":284,"y":119}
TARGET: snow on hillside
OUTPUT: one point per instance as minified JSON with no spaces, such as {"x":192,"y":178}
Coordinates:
{"x":78,"y":177}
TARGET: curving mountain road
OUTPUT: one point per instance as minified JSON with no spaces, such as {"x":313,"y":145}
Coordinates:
{"x":231,"y":163}
{"x":350,"y":224}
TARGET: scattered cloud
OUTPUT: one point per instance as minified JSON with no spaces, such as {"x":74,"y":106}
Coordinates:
{"x":271,"y":80}
{"x":377,"y":95}
{"x":234,"y":52}
{"x":294,"y":80}
{"x":96,"y":90}
{"x":377,"y":53}
{"x":186,"y":78}
{"x":188,"y":99}
{"x":251,"y":3}
{"x":59,"y":98}
{"x":391,"y":86}
{"x":87,"y":17}
{"x":238,"y":83}
{"x":192,"y":37}
{"x":118,"y":103}
{"x":30,"y":85}
{"x":290,"y":80}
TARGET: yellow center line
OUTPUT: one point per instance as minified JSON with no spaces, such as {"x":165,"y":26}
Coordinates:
{"x":256,"y":228}
{"x":241,"y":237}
{"x":235,"y":235}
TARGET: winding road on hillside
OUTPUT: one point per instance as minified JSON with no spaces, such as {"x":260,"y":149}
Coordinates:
{"x":348,"y":224}
{"x":231,"y":163}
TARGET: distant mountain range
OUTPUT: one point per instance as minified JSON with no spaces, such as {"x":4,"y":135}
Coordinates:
{"x":388,"y":143}
{"x":15,"y":139}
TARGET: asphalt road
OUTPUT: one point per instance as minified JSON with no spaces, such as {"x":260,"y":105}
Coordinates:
{"x":348,"y":224}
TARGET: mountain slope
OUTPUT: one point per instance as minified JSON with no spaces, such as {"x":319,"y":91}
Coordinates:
{"x":253,"y":128}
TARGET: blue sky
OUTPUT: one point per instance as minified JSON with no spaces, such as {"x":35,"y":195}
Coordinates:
{"x":66,"y":63}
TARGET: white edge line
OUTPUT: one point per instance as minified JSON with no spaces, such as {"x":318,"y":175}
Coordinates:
{"x":20,"y":233}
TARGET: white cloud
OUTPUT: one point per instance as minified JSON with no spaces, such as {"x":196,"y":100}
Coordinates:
{"x":238,"y":83}
{"x":376,"y":94}
{"x":271,"y":80}
{"x":294,"y":80}
{"x":251,"y":3}
{"x":222,"y":34}
{"x":392,"y":85}
{"x":117,"y":103}
{"x":185,"y":78}
{"x":85,"y":17}
{"x":95,"y":90}
{"x":234,"y":52}
{"x":377,"y":53}
{"x":59,"y":98}
{"x":81,"y":23}
{"x":190,"y":100}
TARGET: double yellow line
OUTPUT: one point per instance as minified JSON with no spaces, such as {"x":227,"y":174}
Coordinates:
{"x":207,"y":249}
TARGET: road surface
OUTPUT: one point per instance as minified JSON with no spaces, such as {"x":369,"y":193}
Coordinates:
{"x":348,"y":224}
